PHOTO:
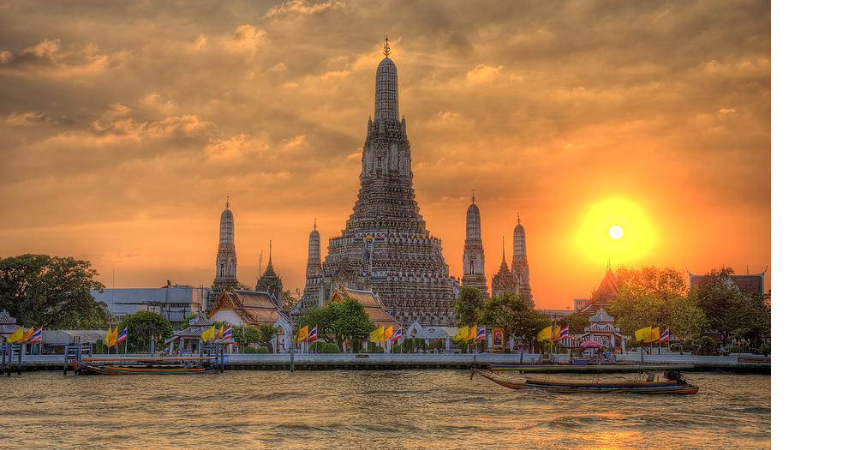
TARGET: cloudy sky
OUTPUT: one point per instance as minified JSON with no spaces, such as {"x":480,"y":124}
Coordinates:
{"x":124,"y":126}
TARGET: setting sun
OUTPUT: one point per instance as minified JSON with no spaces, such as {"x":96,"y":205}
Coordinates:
{"x":601,"y":235}
{"x":616,"y":232}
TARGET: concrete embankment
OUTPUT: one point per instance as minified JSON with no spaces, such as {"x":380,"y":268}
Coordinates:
{"x":628,"y":362}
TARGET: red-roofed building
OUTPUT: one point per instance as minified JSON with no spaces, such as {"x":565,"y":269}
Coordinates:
{"x":601,"y":297}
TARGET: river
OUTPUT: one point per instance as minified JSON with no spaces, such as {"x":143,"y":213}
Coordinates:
{"x":369,"y":410}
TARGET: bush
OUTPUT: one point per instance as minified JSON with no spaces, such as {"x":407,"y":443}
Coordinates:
{"x":254,"y":350}
{"x":376,"y":349}
{"x":736,"y":349}
{"x":764,"y":349}
{"x":707,"y":346}
{"x":435,"y":345}
{"x":688,"y":345}
{"x":396,"y":348}
{"x":329,"y":347}
{"x":317,"y":347}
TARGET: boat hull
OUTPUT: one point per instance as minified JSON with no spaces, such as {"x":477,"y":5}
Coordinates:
{"x":555,"y":387}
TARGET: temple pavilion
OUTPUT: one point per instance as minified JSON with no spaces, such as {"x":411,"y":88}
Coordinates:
{"x":603,"y":330}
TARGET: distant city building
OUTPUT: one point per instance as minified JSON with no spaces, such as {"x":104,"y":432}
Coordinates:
{"x":473,"y":251}
{"x":519,"y":264}
{"x":225,"y":267}
{"x":270,"y":282}
{"x":175,"y":302}
{"x":385,"y":247}
{"x":748,"y":284}
{"x":555,"y":315}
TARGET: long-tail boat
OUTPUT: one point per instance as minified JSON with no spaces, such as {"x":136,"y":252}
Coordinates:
{"x":150,"y":366}
{"x":673,"y":384}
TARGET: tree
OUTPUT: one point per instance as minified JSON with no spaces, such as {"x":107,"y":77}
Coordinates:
{"x":51,"y":291}
{"x":141,"y":327}
{"x":267,"y":333}
{"x":655,"y":297}
{"x":729,"y":311}
{"x":287,"y":301}
{"x":339,"y":321}
{"x":468,"y":303}
{"x":351,"y":323}
{"x":577,"y":322}
{"x":244,"y":335}
{"x":511,"y":313}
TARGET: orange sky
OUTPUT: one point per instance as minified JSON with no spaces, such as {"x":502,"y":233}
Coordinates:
{"x":123,"y":129}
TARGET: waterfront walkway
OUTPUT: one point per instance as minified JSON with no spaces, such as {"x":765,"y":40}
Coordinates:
{"x":379,"y":361}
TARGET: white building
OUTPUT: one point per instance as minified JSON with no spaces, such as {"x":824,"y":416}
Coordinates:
{"x":175,"y":302}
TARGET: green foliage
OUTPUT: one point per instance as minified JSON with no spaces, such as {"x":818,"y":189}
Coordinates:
{"x":729,"y":311}
{"x":706,"y":346}
{"x":736,"y":349}
{"x":324,"y":347}
{"x":577,"y":322}
{"x":340,"y":321}
{"x":244,"y":335}
{"x":373,"y":348}
{"x":655,"y":297}
{"x":253,"y":350}
{"x":267,"y":333}
{"x":468,"y":304}
{"x":52,"y":292}
{"x":143,"y":325}
{"x":510,"y":312}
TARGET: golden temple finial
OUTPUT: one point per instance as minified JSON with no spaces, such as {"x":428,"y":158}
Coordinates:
{"x":227,"y":203}
{"x":314,"y":223}
{"x":386,"y":46}
{"x":517,"y":218}
{"x":473,"y":196}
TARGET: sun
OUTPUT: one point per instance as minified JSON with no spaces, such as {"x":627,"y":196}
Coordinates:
{"x":616,"y":230}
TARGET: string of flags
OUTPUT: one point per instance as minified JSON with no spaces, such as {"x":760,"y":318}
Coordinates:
{"x":652,"y":334}
{"x":25,"y":336}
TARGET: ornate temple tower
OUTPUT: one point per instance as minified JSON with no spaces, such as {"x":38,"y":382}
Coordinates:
{"x":313,"y":289}
{"x":503,"y":280}
{"x":270,"y":282}
{"x":225,"y":262}
{"x":385,"y":246}
{"x":473,"y":250}
{"x":519,"y":264}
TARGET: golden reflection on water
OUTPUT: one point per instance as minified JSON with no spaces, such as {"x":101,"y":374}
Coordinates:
{"x":370,"y":410}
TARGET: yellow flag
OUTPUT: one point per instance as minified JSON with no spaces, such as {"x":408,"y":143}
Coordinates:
{"x":220,"y":334}
{"x":208,"y":334}
{"x":545,"y":334}
{"x":16,"y":336}
{"x":656,"y":334}
{"x":556,"y":333}
{"x":28,"y":334}
{"x":381,"y":333}
{"x":303,"y":333}
{"x":107,"y":341}
{"x":389,"y":332}
{"x":643,"y":334}
{"x":473,"y":332}
{"x":462,"y":334}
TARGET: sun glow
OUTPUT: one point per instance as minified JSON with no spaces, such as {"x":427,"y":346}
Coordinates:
{"x":615,"y":229}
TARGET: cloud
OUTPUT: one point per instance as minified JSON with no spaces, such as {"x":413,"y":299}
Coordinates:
{"x":47,"y":58}
{"x":483,"y":73}
{"x":246,"y":40}
{"x":300,"y":7}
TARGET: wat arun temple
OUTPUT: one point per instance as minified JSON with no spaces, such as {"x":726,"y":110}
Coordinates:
{"x":385,"y":246}
{"x":385,"y":250}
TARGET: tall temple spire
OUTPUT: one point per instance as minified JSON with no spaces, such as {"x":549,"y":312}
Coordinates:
{"x":225,"y":270}
{"x":473,"y":250}
{"x":519,"y":263}
{"x":385,"y":246}
{"x":314,"y":274}
{"x":386,"y":88}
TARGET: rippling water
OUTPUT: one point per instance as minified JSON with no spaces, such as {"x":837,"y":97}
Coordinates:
{"x":370,"y":410}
